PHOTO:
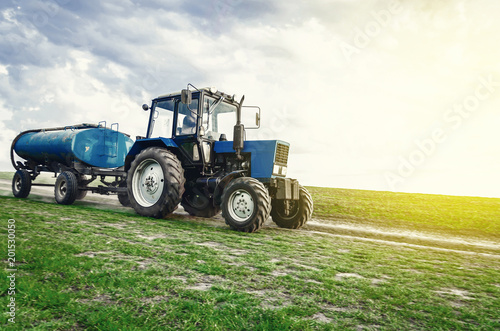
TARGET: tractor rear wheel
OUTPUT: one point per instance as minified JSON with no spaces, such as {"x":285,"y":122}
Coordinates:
{"x":296,"y":214}
{"x":245,"y":204}
{"x":21,"y":184}
{"x":155,"y":182}
{"x":198,"y":204}
{"x":66,"y":188}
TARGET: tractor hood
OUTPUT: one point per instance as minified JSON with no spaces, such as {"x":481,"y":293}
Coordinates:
{"x":269,"y":158}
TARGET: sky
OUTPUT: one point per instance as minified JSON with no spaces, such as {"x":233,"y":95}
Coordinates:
{"x":381,"y":95}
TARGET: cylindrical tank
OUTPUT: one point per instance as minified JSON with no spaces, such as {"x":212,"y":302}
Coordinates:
{"x":97,"y":147}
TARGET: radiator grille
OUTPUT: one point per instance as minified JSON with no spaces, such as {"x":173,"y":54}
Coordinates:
{"x":282,"y":154}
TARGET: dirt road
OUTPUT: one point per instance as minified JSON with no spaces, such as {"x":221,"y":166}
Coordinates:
{"x":411,"y":238}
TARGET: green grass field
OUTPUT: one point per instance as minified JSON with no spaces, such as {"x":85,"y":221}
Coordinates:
{"x":449,"y":215}
{"x":439,"y":214}
{"x":79,"y":267}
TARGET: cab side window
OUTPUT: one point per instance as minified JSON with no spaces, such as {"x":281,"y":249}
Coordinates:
{"x":187,"y":118}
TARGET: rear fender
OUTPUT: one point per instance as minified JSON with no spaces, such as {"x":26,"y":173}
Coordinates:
{"x":142,"y":144}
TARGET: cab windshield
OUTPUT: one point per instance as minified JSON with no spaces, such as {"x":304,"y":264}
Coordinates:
{"x":163,"y":118}
{"x":218,"y":117}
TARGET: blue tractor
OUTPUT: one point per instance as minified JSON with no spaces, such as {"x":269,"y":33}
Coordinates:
{"x":186,"y":157}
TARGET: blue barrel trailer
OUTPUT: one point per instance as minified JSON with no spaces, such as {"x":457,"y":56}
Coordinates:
{"x":193,"y":154}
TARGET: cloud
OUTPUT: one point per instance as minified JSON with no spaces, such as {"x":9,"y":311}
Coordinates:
{"x":348,"y":118}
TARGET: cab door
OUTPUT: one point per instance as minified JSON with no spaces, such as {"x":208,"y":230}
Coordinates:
{"x":186,"y":130}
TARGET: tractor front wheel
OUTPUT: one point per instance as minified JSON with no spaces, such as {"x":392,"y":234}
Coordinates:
{"x":155,"y":182}
{"x":246,"y":204}
{"x":293,"y":214}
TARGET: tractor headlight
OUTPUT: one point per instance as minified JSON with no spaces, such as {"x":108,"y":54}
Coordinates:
{"x":279,"y":170}
{"x":196,"y":154}
{"x":206,"y":151}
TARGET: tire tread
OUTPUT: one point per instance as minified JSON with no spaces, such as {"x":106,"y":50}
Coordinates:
{"x":25,"y":183}
{"x":263,"y":204}
{"x":71,"y":185}
{"x":174,"y":183}
{"x":304,"y":213}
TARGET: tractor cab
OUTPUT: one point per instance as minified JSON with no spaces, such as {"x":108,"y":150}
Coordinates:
{"x":194,"y":121}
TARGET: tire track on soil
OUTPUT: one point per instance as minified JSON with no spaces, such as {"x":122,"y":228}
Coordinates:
{"x":400,"y":237}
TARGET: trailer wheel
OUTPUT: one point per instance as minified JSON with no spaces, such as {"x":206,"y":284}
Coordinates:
{"x":197,"y":204}
{"x":66,"y":188}
{"x":81,"y":194}
{"x":299,"y":213}
{"x":21,"y":184}
{"x":123,"y":197}
{"x":245,"y":204}
{"x":155,"y":182}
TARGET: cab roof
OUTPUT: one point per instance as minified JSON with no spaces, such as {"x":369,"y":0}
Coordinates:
{"x":206,"y":89}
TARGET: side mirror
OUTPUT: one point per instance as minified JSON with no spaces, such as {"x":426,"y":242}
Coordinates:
{"x":249,"y":115}
{"x":145,"y":107}
{"x":186,"y":97}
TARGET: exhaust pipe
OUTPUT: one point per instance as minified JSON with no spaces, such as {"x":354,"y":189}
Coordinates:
{"x":239,"y":132}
